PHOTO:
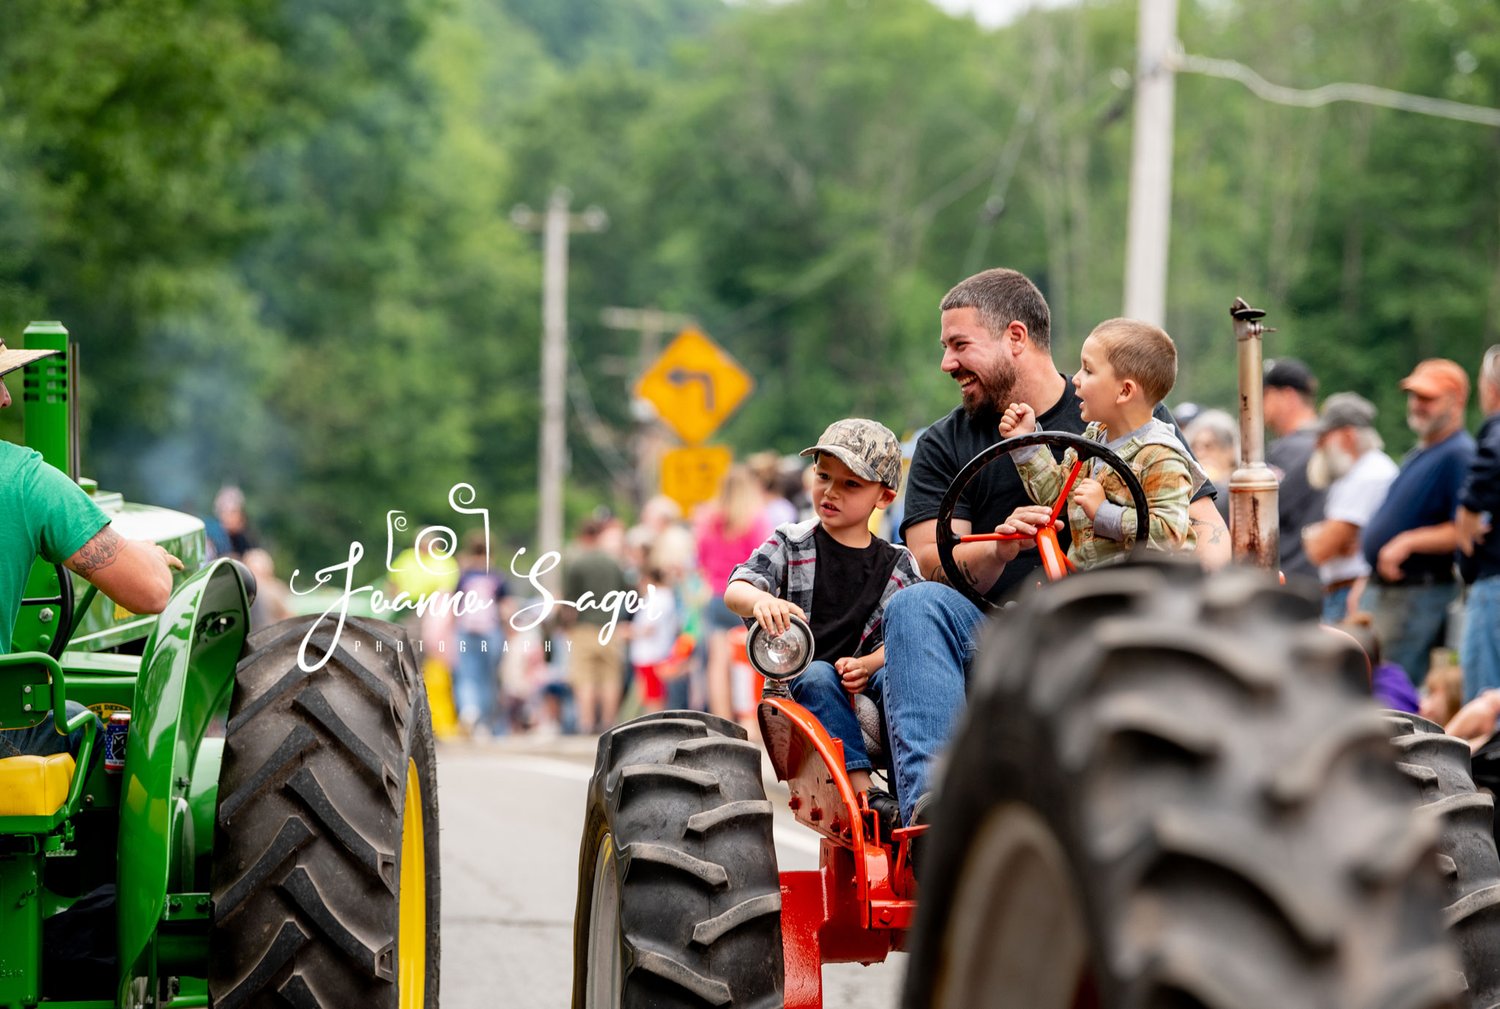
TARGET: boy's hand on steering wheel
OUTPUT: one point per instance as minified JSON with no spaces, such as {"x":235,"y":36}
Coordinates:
{"x":1025,"y":520}
{"x":1088,"y":493}
{"x":852,"y":674}
{"x":1019,"y":418}
{"x":775,"y":615}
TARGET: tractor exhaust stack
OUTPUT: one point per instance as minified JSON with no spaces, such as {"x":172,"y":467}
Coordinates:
{"x":1253,"y":526}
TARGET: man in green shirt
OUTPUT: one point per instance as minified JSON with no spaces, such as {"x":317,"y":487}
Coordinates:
{"x":43,"y":513}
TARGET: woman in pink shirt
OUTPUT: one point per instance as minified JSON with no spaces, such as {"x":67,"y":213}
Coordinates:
{"x":728,"y":530}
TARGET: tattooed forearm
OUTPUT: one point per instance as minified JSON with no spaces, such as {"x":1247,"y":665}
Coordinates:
{"x":99,"y":552}
{"x":1209,"y":532}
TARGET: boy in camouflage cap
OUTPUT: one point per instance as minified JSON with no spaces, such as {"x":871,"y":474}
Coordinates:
{"x":838,"y":576}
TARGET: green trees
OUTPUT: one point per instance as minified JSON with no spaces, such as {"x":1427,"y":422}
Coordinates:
{"x":281,"y":231}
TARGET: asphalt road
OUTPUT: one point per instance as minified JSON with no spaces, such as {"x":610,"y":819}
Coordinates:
{"x":511,"y":813}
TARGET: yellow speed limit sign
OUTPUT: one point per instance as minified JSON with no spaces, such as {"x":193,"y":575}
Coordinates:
{"x":691,"y":476}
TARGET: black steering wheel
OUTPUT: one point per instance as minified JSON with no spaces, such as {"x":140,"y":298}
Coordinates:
{"x":1053,"y":559}
{"x":64,"y":602}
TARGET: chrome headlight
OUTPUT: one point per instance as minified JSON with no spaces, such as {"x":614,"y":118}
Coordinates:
{"x":781,"y":656}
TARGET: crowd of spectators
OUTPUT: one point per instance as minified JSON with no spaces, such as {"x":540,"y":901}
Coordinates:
{"x":1400,"y":549}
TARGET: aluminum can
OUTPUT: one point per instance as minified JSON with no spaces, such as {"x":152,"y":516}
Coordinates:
{"x":115,"y":731}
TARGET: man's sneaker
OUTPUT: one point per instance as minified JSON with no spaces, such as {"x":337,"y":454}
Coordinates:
{"x":887,"y":810}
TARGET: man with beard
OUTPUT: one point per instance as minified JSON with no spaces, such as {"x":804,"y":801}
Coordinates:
{"x":996,"y":343}
{"x":1349,"y":464}
{"x":1410,"y":540}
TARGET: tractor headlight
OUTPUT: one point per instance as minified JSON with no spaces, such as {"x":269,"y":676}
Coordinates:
{"x":782,"y":656}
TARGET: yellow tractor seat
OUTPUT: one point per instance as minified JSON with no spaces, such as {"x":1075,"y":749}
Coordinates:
{"x":34,"y":786}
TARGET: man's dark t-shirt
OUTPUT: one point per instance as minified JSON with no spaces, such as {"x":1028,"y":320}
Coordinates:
{"x":1297,"y":503}
{"x":849,"y":585}
{"x":1424,"y":493}
{"x":951,"y":442}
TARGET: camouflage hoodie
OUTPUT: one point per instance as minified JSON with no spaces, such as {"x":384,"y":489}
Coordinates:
{"x":1169,"y":474}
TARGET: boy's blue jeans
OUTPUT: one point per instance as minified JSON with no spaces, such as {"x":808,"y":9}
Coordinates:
{"x":931,"y":633}
{"x":820,"y":691}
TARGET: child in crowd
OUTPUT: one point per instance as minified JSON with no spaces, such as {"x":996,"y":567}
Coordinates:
{"x":1128,"y":367}
{"x":658,"y":649}
{"x":834,"y":573}
{"x":1389,"y":684}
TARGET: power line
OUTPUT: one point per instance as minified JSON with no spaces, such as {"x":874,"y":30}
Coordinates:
{"x":1364,"y":94}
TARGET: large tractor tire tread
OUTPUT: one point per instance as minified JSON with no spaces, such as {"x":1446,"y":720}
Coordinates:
{"x":680,"y":798}
{"x":1438,"y":766}
{"x":306,"y":891}
{"x":1221,"y":790}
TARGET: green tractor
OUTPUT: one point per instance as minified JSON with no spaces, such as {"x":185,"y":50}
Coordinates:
{"x":261,"y":830}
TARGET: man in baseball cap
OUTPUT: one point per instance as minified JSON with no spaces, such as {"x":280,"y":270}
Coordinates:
{"x":1290,"y":400}
{"x":1349,"y":464}
{"x":1437,"y":377}
{"x":1410,"y":540}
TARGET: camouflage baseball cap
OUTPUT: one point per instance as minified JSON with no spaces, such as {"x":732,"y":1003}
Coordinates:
{"x":867,"y":447}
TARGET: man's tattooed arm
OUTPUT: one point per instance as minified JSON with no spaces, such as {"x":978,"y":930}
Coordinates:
{"x":99,"y":552}
{"x":1213,"y":546}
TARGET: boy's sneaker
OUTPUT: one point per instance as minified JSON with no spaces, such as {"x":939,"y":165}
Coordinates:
{"x":887,"y":810}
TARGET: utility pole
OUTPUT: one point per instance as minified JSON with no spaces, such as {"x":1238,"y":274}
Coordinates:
{"x":652,"y":324}
{"x":555,"y":225}
{"x":1151,"y":164}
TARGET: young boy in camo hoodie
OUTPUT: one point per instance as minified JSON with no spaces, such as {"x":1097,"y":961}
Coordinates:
{"x":1127,"y":368}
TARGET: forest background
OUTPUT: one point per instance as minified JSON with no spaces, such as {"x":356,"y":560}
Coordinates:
{"x":280,"y":231}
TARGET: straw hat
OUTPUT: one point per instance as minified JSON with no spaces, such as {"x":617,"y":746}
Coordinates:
{"x":10,"y":360}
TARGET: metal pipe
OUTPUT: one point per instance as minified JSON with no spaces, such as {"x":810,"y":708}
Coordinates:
{"x":1254,"y":530}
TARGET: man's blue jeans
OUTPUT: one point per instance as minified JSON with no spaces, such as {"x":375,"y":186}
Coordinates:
{"x":1409,"y":622}
{"x":931,"y":633}
{"x":1480,"y":650}
{"x":1336,"y":604}
{"x":43,"y":739}
{"x":820,"y":691}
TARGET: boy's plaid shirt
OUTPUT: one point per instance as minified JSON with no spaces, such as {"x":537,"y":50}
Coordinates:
{"x":786,"y":564}
{"x":1169,"y":475}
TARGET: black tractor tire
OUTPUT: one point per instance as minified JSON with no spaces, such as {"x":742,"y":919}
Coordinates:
{"x":1438,"y":767}
{"x":1172,"y":791}
{"x":313,"y":803}
{"x":679,"y":900}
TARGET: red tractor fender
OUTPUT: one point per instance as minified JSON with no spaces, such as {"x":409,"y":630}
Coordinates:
{"x":859,"y":902}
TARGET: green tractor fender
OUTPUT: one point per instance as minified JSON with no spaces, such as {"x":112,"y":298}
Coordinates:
{"x":171,"y":767}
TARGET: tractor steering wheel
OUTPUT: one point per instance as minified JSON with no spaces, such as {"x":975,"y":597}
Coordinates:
{"x":64,"y":602}
{"x":1054,"y":559}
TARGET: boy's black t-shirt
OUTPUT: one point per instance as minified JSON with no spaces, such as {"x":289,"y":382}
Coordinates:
{"x":949,"y":444}
{"x":848,"y":587}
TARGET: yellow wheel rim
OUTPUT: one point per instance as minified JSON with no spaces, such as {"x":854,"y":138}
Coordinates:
{"x":411,"y":940}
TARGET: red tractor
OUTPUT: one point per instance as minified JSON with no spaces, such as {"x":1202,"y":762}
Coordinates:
{"x":1169,"y":790}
